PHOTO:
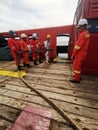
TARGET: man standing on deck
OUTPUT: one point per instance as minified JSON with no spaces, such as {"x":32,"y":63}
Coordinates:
{"x":47,"y":46}
{"x":24,"y":50}
{"x":14,"y":46}
{"x":33,"y":45}
{"x":40,"y":50}
{"x":80,"y":49}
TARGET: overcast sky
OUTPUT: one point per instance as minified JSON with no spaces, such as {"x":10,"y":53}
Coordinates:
{"x":29,"y":14}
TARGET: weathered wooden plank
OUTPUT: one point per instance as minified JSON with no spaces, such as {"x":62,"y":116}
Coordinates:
{"x":59,"y":126}
{"x":20,"y":87}
{"x":67,"y":106}
{"x":68,"y":92}
{"x":20,"y":104}
{"x":49,"y":71}
{"x":85,"y":123}
{"x":53,"y":65}
{"x":61,"y":85}
{"x":59,"y":68}
{"x":9,"y":112}
{"x":75,"y":115}
{"x":62,"y":78}
{"x":67,"y":85}
{"x":71,"y":99}
{"x":23,"y":96}
{"x":65,"y":71}
{"x":8,"y":65}
{"x":5,"y":125}
{"x":61,"y":82}
{"x":57,"y":83}
{"x":49,"y":76}
{"x":3,"y":78}
{"x":90,"y":77}
{"x":57,"y":96}
{"x":33,"y":116}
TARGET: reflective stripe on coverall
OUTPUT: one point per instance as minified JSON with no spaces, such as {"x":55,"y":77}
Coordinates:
{"x":14,"y":46}
{"x":79,"y":53}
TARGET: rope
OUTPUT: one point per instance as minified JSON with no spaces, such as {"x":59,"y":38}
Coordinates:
{"x":59,"y":110}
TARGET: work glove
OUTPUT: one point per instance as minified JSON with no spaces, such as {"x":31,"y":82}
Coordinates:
{"x":72,"y":58}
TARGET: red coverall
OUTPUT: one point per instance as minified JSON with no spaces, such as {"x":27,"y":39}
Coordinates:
{"x":14,"y":46}
{"x":23,"y":47}
{"x":79,"y":53}
{"x":33,"y":45}
{"x":40,"y":49}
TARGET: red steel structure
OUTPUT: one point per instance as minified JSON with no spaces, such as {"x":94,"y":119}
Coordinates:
{"x":85,"y":9}
{"x":89,"y":9}
{"x":42,"y":33}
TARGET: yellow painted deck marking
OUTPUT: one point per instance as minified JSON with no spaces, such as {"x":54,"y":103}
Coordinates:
{"x":11,"y":73}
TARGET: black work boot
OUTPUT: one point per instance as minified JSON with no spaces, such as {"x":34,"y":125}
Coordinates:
{"x":35,"y":63}
{"x":28,"y":66}
{"x":24,"y":64}
{"x":74,"y":81}
{"x":19,"y":68}
{"x":40,"y":61}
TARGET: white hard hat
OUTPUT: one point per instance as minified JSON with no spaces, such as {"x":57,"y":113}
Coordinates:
{"x":34,"y":35}
{"x":23,"y":35}
{"x":82,"y":22}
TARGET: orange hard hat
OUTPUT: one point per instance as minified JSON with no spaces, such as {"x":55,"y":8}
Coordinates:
{"x":48,"y":36}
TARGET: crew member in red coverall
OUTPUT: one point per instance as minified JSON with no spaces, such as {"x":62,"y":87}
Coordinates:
{"x":80,"y":49}
{"x":14,"y":46}
{"x":33,"y":44}
{"x":24,"y":50}
{"x":40,"y":50}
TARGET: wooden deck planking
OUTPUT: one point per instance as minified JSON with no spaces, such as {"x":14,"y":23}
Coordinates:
{"x":60,"y":97}
{"x":70,"y":107}
{"x":89,"y":89}
{"x":19,"y":103}
{"x":79,"y":101}
{"x":5,"y":125}
{"x":63,"y":83}
{"x":20,"y":86}
{"x":9,"y":119}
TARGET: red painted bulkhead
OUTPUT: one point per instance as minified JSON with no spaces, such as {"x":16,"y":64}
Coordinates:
{"x":90,"y":66}
{"x":90,"y":9}
{"x":86,"y":9}
{"x":42,"y":33}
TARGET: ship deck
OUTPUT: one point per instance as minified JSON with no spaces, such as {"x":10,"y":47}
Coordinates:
{"x":78,"y":101}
